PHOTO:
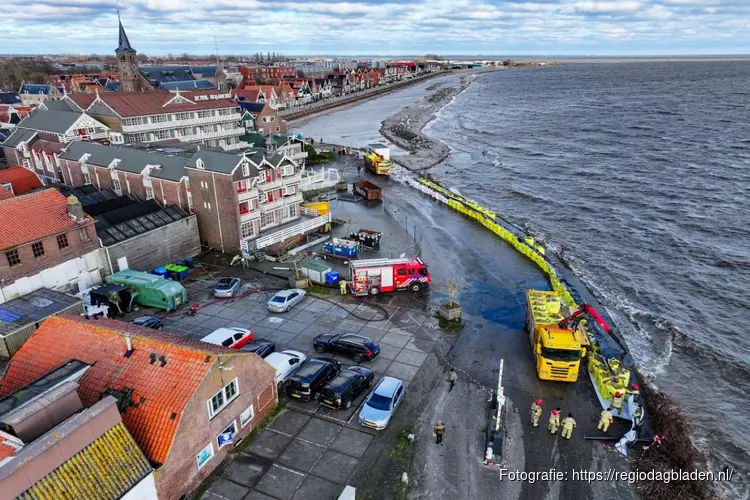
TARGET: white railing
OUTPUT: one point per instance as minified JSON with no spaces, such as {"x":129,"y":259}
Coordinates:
{"x":233,"y":117}
{"x":292,"y":199}
{"x":310,"y":212}
{"x":236,"y":145}
{"x":320,"y":179}
{"x":274,"y":184}
{"x":271,"y":205}
{"x":247,"y":195}
{"x":251,"y":215}
{"x":212,"y":134}
{"x":284,"y":234}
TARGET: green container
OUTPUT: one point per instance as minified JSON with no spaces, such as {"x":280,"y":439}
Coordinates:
{"x":151,"y":290}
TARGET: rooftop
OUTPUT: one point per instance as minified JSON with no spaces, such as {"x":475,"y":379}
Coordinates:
{"x":54,"y":121}
{"x":22,"y":179}
{"x":18,"y":136}
{"x":131,"y":159}
{"x":157,"y":391}
{"x":132,"y":220}
{"x":32,"y":308}
{"x":154,"y":102}
{"x":28,"y":218}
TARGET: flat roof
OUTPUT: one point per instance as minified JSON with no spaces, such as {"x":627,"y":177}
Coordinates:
{"x":32,"y":308}
{"x":128,"y":221}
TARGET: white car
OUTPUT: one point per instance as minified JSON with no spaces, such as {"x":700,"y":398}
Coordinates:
{"x":285,"y":363}
{"x":233,"y":337}
{"x":284,"y":300}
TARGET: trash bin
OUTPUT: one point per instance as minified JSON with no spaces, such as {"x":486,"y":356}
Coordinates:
{"x":189,"y":262}
{"x":177,"y":273}
{"x":161,"y":271}
{"x":332,"y":278}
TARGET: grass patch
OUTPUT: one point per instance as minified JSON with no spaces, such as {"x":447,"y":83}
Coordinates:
{"x":403,"y":455}
{"x":452,"y":327}
{"x":402,"y":448}
{"x":316,"y":289}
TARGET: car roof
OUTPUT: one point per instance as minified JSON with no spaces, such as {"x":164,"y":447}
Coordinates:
{"x":222,"y":333}
{"x":145,"y":318}
{"x":311,"y":367}
{"x":343,"y":377}
{"x":353,"y":337}
{"x":228,"y":278}
{"x":285,"y":293}
{"x":388,"y":386}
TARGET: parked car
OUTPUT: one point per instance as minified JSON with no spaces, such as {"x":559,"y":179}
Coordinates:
{"x":283,"y":300}
{"x":231,"y":336}
{"x":312,"y":377}
{"x":358,"y":347}
{"x":261,"y":347}
{"x":286,"y":363}
{"x":148,"y":322}
{"x":227,"y":288}
{"x":348,"y":384}
{"x":382,"y":403}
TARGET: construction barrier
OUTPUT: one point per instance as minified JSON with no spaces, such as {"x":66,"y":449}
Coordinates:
{"x":523,"y":243}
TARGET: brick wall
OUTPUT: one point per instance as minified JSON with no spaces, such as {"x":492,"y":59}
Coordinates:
{"x":12,"y":156}
{"x":173,"y":192}
{"x":154,"y":248}
{"x":72,"y":175}
{"x":53,"y":256}
{"x":257,"y":387}
{"x":215,"y":202}
{"x":133,"y":184}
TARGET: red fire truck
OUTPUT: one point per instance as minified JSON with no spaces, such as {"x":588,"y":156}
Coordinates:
{"x":373,"y":276}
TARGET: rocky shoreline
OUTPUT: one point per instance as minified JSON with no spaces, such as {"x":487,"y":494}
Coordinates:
{"x":404,"y":129}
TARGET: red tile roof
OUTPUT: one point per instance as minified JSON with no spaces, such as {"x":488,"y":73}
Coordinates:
{"x":48,"y":147}
{"x":152,"y":102}
{"x":160,"y":394}
{"x":23,"y":180}
{"x":247,"y":95}
{"x":32,"y":217}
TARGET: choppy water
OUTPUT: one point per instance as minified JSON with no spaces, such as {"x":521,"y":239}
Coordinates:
{"x":639,"y":176}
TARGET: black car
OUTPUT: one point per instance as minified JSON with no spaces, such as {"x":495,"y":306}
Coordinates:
{"x":311,"y":377}
{"x":358,"y":347}
{"x":348,"y":384}
{"x":261,"y":347}
{"x":148,"y":322}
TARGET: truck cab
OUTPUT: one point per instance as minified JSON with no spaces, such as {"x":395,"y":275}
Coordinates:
{"x":557,"y":351}
{"x":378,"y":159}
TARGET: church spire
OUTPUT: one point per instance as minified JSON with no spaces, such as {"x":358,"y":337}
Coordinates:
{"x":124,"y":42}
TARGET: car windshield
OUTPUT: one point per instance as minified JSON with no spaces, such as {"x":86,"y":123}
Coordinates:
{"x":278,"y":299}
{"x":561,"y":354}
{"x":224,"y":282}
{"x":380,"y":402}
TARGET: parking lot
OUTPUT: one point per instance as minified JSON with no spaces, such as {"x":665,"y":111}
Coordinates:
{"x":308,"y":451}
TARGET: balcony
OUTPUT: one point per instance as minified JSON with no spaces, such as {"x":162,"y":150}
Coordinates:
{"x":234,"y":117}
{"x":267,"y":186}
{"x":250,"y":194}
{"x":284,"y":232}
{"x":236,"y":145}
{"x":293,"y":199}
{"x":272,"y":205}
{"x":218,"y":134}
{"x":251,"y":215}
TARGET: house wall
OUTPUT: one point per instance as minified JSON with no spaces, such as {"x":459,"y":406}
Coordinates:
{"x":180,"y":474}
{"x":133,"y":184}
{"x":72,"y":175}
{"x":170,"y":193}
{"x":157,"y":247}
{"x":145,"y":490}
{"x":215,"y":203}
{"x":52,"y":257}
{"x":72,"y":276}
{"x":269,"y":128}
{"x":113,"y":122}
{"x":13,"y":157}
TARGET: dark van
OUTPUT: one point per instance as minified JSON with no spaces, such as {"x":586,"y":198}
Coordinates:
{"x":312,"y":377}
{"x":348,"y":384}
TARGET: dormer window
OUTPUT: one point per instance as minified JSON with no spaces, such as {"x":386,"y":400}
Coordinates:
{"x":199,"y":164}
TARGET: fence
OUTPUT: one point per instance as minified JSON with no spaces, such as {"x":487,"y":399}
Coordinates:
{"x":402,"y":220}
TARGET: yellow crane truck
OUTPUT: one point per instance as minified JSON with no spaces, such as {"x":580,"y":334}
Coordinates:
{"x":557,"y":351}
{"x":378,"y":159}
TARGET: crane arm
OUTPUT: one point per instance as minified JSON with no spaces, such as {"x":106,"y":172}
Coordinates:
{"x":588,"y":311}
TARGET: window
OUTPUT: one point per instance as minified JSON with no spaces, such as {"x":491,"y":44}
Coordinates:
{"x":38,"y":249}
{"x":247,"y":416}
{"x":246,"y":170}
{"x":116,"y":186}
{"x":149,"y":193}
{"x":62,"y":241}
{"x":402,"y":272}
{"x":83,"y":234}
{"x":266,"y":219}
{"x":290,"y":190}
{"x":221,"y":399}
{"x":244,"y":207}
{"x":9,"y":187}
{"x":241,"y":186}
{"x":227,"y":435}
{"x":163,"y":134}
{"x":278,"y":129}
{"x":160,"y":118}
{"x":247,"y":229}
{"x":289,"y":212}
{"x":184,"y":116}
{"x":86,"y":178}
{"x":13,"y":258}
{"x":411,"y":271}
{"x":205,"y":455}
{"x":287,"y":171}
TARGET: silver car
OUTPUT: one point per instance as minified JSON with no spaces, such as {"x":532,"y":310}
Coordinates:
{"x":284,"y":300}
{"x":227,"y":288}
{"x":381,"y":404}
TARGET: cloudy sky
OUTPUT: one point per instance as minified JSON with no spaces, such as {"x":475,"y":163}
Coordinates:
{"x":372,"y":27}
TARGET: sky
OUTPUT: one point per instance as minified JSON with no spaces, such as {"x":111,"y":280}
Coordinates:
{"x":371,"y":27}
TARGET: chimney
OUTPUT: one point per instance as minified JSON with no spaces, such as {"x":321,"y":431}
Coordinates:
{"x":162,"y":361}
{"x":128,"y":345}
{"x":75,"y":209}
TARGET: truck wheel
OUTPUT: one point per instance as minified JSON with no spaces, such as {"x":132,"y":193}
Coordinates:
{"x":415,"y":287}
{"x":320,"y":349}
{"x":374,"y":290}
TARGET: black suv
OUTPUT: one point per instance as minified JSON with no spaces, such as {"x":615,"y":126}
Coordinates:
{"x":312,"y":377}
{"x":358,"y":347}
{"x":341,"y":391}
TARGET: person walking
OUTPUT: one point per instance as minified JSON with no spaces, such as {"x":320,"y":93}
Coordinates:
{"x":452,"y":379}
{"x":439,"y":431}
{"x":536,"y":412}
{"x":605,"y":420}
{"x":342,"y":287}
{"x":568,"y":424}
{"x":554,"y":420}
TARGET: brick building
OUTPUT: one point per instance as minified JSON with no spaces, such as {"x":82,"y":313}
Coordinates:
{"x":18,"y":180}
{"x":266,"y":119}
{"x":46,"y":241}
{"x":206,"y":117}
{"x":186,"y":403}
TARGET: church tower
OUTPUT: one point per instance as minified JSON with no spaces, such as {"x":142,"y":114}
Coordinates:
{"x":127,"y":63}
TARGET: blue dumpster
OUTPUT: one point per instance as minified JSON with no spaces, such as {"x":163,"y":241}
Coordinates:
{"x":332,"y":278}
{"x":161,"y":271}
{"x":189,"y":261}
